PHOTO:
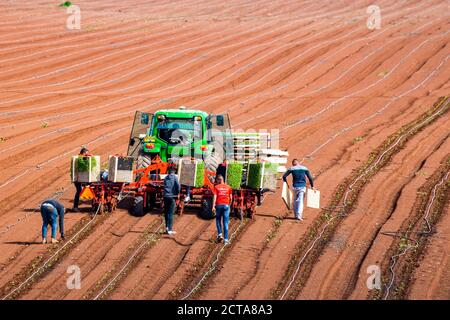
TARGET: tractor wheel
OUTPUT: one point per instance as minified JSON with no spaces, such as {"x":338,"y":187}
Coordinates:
{"x":213,"y":161}
{"x":240,"y":214}
{"x":138,"y":207}
{"x":206,"y":211}
{"x":151,"y":201}
{"x":143,"y":160}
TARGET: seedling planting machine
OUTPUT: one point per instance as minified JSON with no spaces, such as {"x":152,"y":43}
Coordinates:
{"x":195,"y":144}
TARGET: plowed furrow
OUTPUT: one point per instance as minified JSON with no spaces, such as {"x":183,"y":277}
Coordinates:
{"x":312,"y":246}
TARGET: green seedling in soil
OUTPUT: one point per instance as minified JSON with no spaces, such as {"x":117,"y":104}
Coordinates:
{"x":357,"y":139}
{"x":275,"y":226}
{"x":403,"y":243}
{"x":328,"y":216}
{"x":66,"y":4}
{"x":2,"y":139}
{"x":44,"y":124}
{"x":382,"y":74}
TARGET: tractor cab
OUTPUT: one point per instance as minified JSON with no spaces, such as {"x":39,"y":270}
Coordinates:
{"x":171,"y":134}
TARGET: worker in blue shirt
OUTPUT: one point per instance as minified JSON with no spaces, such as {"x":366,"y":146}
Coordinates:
{"x":170,"y":194}
{"x":299,"y":175}
{"x":52,"y":211}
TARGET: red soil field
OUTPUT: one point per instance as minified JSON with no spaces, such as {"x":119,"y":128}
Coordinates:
{"x":339,"y":92}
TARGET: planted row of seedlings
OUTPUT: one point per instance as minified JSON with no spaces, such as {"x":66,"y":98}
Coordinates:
{"x":312,"y":244}
{"x":45,"y":263}
{"x":131,"y":257}
{"x":40,"y":266}
{"x":405,"y":253}
{"x":256,"y":175}
{"x":189,"y":173}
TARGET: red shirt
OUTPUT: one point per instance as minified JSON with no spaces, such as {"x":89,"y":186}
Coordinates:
{"x":223,"y":193}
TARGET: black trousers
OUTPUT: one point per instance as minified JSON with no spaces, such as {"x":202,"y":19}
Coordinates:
{"x":76,"y":199}
{"x":169,"y":210}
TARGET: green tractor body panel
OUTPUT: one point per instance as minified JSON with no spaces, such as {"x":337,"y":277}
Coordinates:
{"x":176,"y":133}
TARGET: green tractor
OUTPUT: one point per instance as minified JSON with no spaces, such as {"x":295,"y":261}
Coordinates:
{"x":171,"y":134}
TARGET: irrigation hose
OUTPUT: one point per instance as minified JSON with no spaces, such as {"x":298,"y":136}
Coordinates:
{"x":394,"y":258}
{"x":213,"y":264}
{"x":128,"y":262}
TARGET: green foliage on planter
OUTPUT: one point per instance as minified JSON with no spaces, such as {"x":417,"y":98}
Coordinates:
{"x":82,"y":164}
{"x":259,"y":178}
{"x":71,"y":169}
{"x":192,"y":173}
{"x":234,"y":175}
{"x":200,"y":176}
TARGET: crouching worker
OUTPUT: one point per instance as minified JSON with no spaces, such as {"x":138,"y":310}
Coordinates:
{"x":299,"y":175}
{"x":171,"y":192}
{"x":52,"y":211}
{"x":223,"y":197}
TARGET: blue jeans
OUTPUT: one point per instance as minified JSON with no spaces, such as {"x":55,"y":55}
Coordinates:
{"x":169,"y":209}
{"x":222,"y":215}
{"x":299,"y":195}
{"x":49,"y":217}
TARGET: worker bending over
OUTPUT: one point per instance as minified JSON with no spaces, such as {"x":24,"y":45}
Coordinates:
{"x":50,"y":211}
{"x":299,"y":174}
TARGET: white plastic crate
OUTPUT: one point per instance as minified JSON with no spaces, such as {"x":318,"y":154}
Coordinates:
{"x":89,"y":172}
{"x":120,"y":169}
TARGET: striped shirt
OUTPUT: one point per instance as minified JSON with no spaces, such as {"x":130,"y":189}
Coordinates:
{"x":299,"y":174}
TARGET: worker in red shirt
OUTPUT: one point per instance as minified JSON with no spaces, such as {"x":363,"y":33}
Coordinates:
{"x":222,"y":200}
